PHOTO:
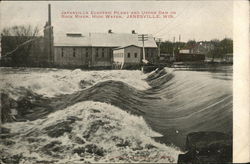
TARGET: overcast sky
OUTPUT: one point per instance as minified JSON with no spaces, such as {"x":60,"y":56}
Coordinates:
{"x":199,"y":20}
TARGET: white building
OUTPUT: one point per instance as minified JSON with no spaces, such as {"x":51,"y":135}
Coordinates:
{"x":127,"y":56}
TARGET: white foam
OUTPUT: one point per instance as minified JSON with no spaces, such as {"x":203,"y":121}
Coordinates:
{"x":117,"y":123}
{"x":50,"y":83}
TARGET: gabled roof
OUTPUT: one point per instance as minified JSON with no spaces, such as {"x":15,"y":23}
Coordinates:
{"x":103,"y":40}
{"x":122,"y":47}
{"x":64,"y":40}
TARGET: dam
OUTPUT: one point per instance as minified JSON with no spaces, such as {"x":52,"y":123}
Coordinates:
{"x":123,"y":115}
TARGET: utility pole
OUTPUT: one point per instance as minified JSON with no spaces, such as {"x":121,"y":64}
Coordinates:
{"x":143,"y":38}
{"x":159,"y":46}
{"x":179,"y":43}
{"x":173,"y":48}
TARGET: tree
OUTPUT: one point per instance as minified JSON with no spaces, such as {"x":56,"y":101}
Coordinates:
{"x":21,"y":31}
{"x":226,"y":45}
{"x":166,"y":47}
{"x":221,"y":48}
{"x":17,"y":42}
{"x":190,"y":44}
{"x":216,"y":51}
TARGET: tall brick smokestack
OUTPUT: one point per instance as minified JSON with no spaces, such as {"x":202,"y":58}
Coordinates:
{"x":49,"y":15}
{"x":49,"y":39}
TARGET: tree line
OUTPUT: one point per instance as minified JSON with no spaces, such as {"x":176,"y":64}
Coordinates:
{"x":214,"y":48}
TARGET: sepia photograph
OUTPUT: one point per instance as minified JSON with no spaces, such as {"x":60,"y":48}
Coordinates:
{"x":116,"y":82}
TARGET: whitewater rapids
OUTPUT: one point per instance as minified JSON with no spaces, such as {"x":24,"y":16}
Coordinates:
{"x":114,"y":115}
{"x":54,"y":82}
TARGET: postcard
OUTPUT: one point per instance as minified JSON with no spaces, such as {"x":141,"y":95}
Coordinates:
{"x":124,"y":82}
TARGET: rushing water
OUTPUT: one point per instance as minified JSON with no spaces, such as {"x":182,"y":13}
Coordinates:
{"x":118,"y":113}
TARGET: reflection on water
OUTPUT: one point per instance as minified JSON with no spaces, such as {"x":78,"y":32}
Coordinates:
{"x":192,"y":101}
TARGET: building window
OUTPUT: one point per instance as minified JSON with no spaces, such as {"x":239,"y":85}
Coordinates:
{"x":110,"y":52}
{"x":152,"y":54}
{"x":87,"y":54}
{"x":128,"y":55}
{"x":74,"y":52}
{"x":62,"y":53}
{"x":96,"y":54}
{"x":102,"y":54}
{"x":135,"y":55}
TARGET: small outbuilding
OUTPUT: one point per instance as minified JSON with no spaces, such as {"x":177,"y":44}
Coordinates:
{"x":127,"y":57}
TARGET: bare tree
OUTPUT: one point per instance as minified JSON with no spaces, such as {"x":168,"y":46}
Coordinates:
{"x":17,"y":42}
{"x":23,"y":30}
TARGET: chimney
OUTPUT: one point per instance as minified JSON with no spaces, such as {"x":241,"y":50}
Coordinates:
{"x":49,"y":15}
{"x":133,"y":32}
{"x":110,"y":31}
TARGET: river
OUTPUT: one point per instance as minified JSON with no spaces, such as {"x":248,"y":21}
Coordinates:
{"x":113,"y":115}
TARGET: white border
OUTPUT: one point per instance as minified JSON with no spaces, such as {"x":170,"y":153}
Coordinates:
{"x":241,"y":83}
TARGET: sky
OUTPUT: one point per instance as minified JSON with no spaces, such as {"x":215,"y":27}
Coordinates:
{"x":198,"y":20}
